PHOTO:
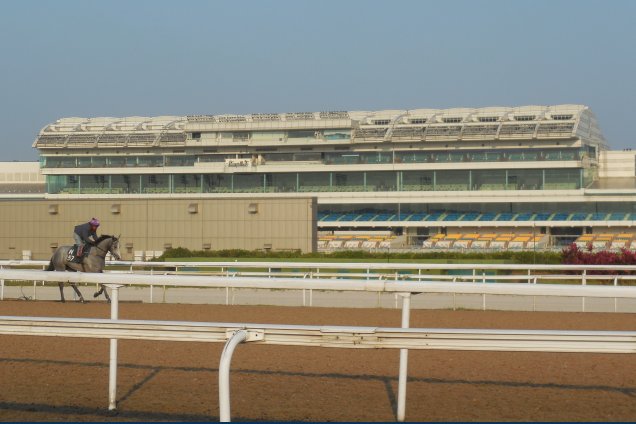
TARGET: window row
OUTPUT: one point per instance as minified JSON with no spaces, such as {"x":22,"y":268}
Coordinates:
{"x":316,"y":182}
{"x":326,"y":158}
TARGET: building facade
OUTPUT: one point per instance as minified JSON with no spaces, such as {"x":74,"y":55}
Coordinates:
{"x":413,"y":174}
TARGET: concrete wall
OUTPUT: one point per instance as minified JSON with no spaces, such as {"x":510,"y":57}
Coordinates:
{"x":156,"y":224}
{"x":617,"y":164}
{"x":21,"y":172}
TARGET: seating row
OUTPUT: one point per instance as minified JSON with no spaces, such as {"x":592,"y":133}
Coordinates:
{"x":485,"y":241}
{"x":358,"y":241}
{"x":475,"y":216}
{"x":603,"y":241}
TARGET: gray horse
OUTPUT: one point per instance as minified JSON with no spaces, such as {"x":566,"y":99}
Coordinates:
{"x":94,"y":261}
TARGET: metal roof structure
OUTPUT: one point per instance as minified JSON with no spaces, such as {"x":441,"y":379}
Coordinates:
{"x":525,"y":122}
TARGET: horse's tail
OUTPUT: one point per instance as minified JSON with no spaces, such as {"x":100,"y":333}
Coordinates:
{"x":50,"y":267}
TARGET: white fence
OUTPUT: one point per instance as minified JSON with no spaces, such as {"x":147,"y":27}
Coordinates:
{"x":320,"y":336}
{"x":580,"y":274}
{"x":231,"y":276}
{"x":402,"y":288}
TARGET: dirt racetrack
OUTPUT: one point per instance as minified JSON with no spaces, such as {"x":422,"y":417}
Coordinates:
{"x":64,"y":379}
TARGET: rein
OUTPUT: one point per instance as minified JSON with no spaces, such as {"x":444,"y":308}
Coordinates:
{"x":99,"y":248}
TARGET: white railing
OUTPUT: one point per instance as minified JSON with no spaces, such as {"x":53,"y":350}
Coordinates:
{"x":404,"y":288}
{"x":401,"y":288}
{"x":322,"y":336}
{"x":579,"y":274}
{"x":288,"y":283}
{"x":385,"y":283}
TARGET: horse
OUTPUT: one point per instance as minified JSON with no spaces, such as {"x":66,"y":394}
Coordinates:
{"x":94,"y":261}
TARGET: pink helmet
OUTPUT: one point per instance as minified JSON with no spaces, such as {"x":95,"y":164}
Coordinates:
{"x":94,"y":222}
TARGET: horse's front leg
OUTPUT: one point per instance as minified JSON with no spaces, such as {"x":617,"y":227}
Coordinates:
{"x":61,"y":292}
{"x":100,"y":291}
{"x":81,"y":298}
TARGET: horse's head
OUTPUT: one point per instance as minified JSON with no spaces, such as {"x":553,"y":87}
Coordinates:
{"x":114,"y":248}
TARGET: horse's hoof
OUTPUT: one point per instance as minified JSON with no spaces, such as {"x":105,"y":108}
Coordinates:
{"x":63,"y":301}
{"x":108,"y":300}
{"x":82,"y":300}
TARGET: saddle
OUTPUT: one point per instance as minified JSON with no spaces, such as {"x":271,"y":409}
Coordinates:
{"x":72,"y":255}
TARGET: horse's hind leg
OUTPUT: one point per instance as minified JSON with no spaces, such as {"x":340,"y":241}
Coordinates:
{"x":106,"y":293}
{"x":81,"y":298}
{"x":61,"y":292}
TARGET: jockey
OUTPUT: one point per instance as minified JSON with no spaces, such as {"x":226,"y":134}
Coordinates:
{"x":85,"y":233}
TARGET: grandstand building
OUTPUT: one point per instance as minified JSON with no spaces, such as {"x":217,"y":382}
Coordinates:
{"x":469,"y":178}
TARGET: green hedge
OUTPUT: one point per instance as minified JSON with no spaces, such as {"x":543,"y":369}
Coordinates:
{"x":523,"y":257}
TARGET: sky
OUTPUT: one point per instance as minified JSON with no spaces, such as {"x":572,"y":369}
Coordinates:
{"x":149,"y":58}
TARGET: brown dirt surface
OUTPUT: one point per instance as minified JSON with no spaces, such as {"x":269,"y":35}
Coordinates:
{"x":66,"y":379}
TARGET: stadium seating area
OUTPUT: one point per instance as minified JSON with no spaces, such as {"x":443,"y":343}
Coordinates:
{"x":355,"y":241}
{"x":485,"y":241}
{"x":603,"y":241}
{"x":473,"y":216}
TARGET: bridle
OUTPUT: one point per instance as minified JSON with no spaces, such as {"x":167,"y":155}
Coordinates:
{"x":106,"y":250}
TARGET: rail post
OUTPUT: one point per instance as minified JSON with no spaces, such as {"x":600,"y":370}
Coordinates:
{"x":237,"y":337}
{"x":584,"y":281}
{"x":615,"y":299}
{"x":404,"y":359}
{"x":112,"y":366}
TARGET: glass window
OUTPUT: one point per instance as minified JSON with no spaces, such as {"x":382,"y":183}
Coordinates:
{"x":211,"y":158}
{"x":125,"y":183}
{"x":91,"y":184}
{"x":381,"y":181}
{"x":451,"y":180}
{"x":307,"y":156}
{"x":280,"y":183}
{"x":417,"y":180}
{"x":116,"y":161}
{"x":268,"y":136}
{"x":348,"y":181}
{"x":62,"y":184}
{"x":241,"y":136}
{"x":150,"y":160}
{"x":524,"y":118}
{"x":217,"y":183}
{"x":314,"y":181}
{"x":187,"y":183}
{"x":99,"y":162}
{"x":412,"y":157}
{"x":84,"y":162}
{"x":342,"y":158}
{"x":525,"y":179}
{"x":155,"y":183}
{"x":337,"y":134}
{"x":562,"y":179}
{"x":180,"y":160}
{"x":489,"y":179}
{"x":301,"y":134}
{"x":278,"y":157}
{"x":248,"y":183}
{"x":376,"y":157}
{"x":53,"y":162}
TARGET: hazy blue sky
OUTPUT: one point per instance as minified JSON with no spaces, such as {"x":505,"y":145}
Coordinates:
{"x":148,"y":58}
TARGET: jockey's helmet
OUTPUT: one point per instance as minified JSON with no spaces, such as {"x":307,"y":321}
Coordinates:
{"x":94,"y":222}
